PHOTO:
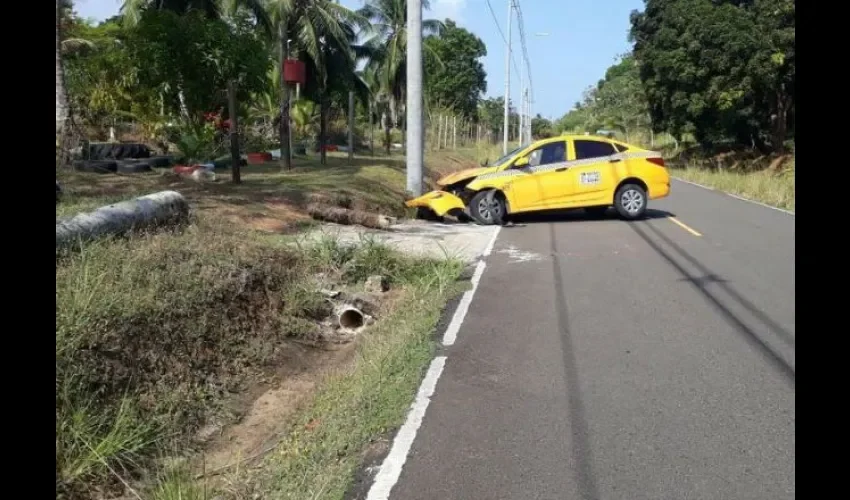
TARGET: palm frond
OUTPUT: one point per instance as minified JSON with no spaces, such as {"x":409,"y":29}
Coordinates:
{"x":73,"y":45}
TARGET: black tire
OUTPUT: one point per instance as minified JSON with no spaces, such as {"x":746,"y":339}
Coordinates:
{"x":425,"y":213}
{"x":96,"y":166}
{"x":133,"y":166}
{"x":117,"y":151}
{"x":630,"y":201}
{"x":162,"y":161}
{"x":487,"y":208}
{"x":596,"y":212}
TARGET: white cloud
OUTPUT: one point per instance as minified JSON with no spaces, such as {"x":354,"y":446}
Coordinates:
{"x":451,"y":9}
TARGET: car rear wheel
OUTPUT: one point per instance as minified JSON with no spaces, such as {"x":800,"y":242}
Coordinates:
{"x":630,"y":201}
{"x":487,"y":208}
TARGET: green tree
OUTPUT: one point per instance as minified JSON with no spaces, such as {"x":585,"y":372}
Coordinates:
{"x":620,"y":100}
{"x":102,"y":78}
{"x":723,"y":68}
{"x":323,"y":35}
{"x":132,"y":10}
{"x":454,"y":75}
{"x":491,"y":115}
{"x":541,"y":127}
{"x":167,"y":45}
{"x":386,"y":38}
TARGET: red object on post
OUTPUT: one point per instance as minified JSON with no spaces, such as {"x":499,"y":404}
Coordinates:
{"x":259,"y":158}
{"x":294,"y":71}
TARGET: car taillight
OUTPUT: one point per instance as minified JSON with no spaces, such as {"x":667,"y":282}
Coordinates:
{"x":656,"y":161}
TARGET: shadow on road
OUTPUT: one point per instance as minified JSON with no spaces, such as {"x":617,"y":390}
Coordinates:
{"x":581,"y":448}
{"x":577,"y":215}
{"x":700,"y":283}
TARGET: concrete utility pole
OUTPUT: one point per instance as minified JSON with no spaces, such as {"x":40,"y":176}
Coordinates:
{"x":507,"y":80}
{"x":521,"y":103}
{"x":526,"y":128}
{"x":414,"y":97}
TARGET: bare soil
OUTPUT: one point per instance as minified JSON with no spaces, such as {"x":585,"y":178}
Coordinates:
{"x":267,"y":406}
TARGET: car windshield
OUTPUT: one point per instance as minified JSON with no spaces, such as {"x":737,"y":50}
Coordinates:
{"x":509,"y":156}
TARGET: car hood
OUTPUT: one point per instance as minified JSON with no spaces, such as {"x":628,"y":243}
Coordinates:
{"x":463,"y":175}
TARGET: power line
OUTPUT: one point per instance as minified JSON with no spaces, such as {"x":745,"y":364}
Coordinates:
{"x":501,"y":33}
{"x":524,"y":46}
{"x":523,"y":95}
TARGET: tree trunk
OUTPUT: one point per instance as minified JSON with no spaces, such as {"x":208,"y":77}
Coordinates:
{"x":385,"y":122}
{"x":63,"y":108}
{"x":371,"y":130}
{"x":157,"y":209}
{"x":780,"y":121}
{"x":283,"y":132}
{"x":323,"y":128}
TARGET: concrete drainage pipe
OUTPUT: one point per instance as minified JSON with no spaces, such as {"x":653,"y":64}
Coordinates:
{"x":350,"y":318}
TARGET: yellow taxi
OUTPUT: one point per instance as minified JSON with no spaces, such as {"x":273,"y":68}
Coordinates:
{"x":565,"y":172}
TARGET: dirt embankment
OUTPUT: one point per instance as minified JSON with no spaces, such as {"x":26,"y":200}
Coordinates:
{"x":165,"y":340}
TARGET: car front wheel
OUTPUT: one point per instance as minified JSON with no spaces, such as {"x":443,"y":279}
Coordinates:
{"x":487,"y":208}
{"x":630,"y":201}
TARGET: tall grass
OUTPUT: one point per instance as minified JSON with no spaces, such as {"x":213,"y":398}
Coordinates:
{"x":326,"y":442}
{"x":154,"y":332}
{"x":775,"y":189}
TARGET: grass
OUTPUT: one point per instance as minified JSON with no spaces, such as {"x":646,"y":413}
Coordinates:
{"x":327,"y":439}
{"x":155,"y":332}
{"x":268,"y":199}
{"x":739,"y":171}
{"x":773,"y":189}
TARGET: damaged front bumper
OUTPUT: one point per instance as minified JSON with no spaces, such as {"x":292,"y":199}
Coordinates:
{"x":440,"y":202}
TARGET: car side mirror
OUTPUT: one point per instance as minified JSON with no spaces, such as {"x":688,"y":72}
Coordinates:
{"x":521,"y":162}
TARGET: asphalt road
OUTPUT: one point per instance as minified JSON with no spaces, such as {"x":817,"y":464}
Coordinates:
{"x":609,"y":360}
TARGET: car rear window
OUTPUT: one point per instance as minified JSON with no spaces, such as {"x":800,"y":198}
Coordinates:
{"x":593,"y":149}
{"x":620,"y":147}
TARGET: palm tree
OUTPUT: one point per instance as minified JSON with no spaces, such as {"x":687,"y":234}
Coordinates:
{"x":387,"y":39}
{"x":64,"y":114}
{"x":132,"y":9}
{"x":379,"y":102}
{"x":323,"y":34}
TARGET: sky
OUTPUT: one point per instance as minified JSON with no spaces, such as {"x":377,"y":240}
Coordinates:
{"x":584,"y":38}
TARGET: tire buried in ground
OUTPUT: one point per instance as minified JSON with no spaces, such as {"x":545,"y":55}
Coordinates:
{"x":96,"y":166}
{"x":162,"y":161}
{"x":133,"y":166}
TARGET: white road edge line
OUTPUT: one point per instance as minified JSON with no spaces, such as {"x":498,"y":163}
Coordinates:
{"x":463,"y":306}
{"x":737,"y":197}
{"x":693,"y":183}
{"x":761,"y":204}
{"x":390,"y":469}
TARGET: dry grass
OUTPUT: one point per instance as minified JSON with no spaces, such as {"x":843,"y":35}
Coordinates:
{"x":776,"y":190}
{"x":742,"y":172}
{"x":268,"y":198}
{"x":154,"y":333}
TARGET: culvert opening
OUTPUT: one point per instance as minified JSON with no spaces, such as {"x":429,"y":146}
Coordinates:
{"x":351,"y":318}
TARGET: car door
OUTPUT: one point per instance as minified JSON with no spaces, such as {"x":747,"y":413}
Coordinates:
{"x":541,"y":183}
{"x":593,"y":176}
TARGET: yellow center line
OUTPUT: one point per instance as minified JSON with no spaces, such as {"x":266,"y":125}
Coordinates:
{"x":684,"y":226}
